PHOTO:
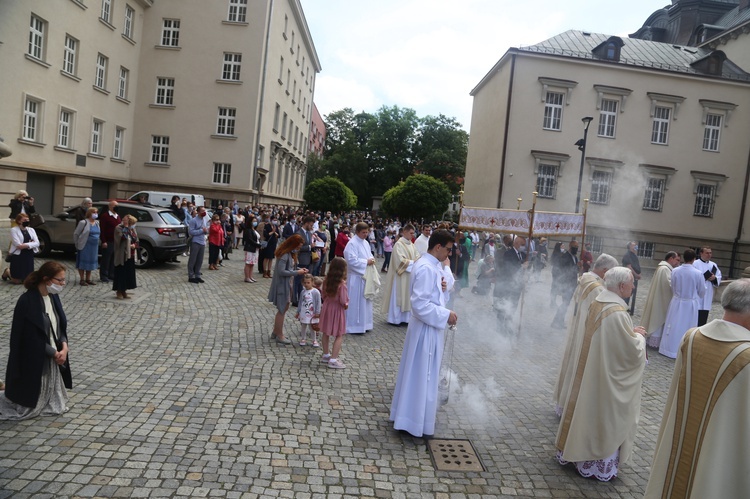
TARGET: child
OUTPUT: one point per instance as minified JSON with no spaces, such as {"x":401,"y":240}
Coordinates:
{"x":308,"y":310}
{"x":317,"y":284}
{"x":333,"y":315}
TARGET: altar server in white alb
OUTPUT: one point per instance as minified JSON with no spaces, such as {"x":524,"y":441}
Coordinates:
{"x":712,"y":278}
{"x":600,"y":416}
{"x":687,"y":293}
{"x":423,"y":240}
{"x":358,"y":256}
{"x":396,"y":304}
{"x":415,"y":398}
{"x":703,"y":447}
{"x":659,"y":296}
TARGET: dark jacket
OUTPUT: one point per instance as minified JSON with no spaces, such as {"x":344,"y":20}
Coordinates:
{"x":250,"y":240}
{"x":30,"y":348}
{"x":304,"y":256}
{"x":15,"y":208}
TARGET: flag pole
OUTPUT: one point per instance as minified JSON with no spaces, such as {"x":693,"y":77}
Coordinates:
{"x":526,"y":276}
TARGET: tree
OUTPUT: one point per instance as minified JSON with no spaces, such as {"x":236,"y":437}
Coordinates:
{"x":441,"y":149}
{"x":329,"y":193}
{"x":418,"y":197}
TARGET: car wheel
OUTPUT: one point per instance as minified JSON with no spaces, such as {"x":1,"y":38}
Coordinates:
{"x":45,"y":246}
{"x":144,"y":256}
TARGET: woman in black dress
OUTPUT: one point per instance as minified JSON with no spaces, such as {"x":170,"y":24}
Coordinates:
{"x":271,"y":238}
{"x":126,"y":243}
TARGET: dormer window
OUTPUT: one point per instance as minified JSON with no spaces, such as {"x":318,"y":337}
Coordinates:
{"x":610,"y":49}
{"x":712,"y":64}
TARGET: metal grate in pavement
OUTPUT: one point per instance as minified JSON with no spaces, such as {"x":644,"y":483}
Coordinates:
{"x":454,"y":455}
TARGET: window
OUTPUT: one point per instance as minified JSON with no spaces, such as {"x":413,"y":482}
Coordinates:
{"x":122,"y":86}
{"x":296,"y":136}
{"x":119,"y":139}
{"x":65,"y":129}
{"x":303,"y":66}
{"x":712,"y":132}
{"x":107,"y":11}
{"x":283,"y":127}
{"x":96,"y":137}
{"x":704,"y":200}
{"x":653,"y":200}
{"x":298,"y":54}
{"x":304,"y":106}
{"x":600,"y":187}
{"x":286,"y":25}
{"x":646,"y":249}
{"x":299,"y":98}
{"x":231,"y":68}
{"x":281,"y":71}
{"x":294,"y":91}
{"x":291,"y":47}
{"x":596,"y":242}
{"x":165,"y":91}
{"x":660,"y":127}
{"x":259,"y":157}
{"x":607,"y":118}
{"x":70,"y":58}
{"x":222,"y":173}
{"x":553,"y":111}
{"x":237,"y":11}
{"x":100,"y":80}
{"x":159,"y":149}
{"x":129,"y":18}
{"x":225,"y":124}
{"x":276,"y":116}
{"x":170,"y":33}
{"x":546,"y":181}
{"x":291,"y":131}
{"x":37,"y":34}
{"x":288,"y":79}
{"x":32,"y":113}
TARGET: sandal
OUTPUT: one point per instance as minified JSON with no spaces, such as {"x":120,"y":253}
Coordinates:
{"x":285,"y":341}
{"x":302,"y":343}
{"x":325,"y":358}
{"x":91,"y":283}
{"x":316,"y":344}
{"x":336,"y":364}
{"x":6,"y":274}
{"x":82,"y":283}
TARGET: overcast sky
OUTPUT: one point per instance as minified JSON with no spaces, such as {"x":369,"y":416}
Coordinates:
{"x":428,"y":54}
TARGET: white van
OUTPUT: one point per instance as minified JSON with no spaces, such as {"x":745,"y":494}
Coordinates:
{"x":157,"y":198}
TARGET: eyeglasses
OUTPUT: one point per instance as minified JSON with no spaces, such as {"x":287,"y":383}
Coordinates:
{"x":61,"y":281}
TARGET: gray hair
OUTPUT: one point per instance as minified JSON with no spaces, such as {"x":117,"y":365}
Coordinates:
{"x":86,"y":200}
{"x":605,"y":262}
{"x":736,"y":297}
{"x":616,"y":276}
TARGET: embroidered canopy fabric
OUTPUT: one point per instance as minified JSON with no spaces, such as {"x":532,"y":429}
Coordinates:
{"x":517,"y":222}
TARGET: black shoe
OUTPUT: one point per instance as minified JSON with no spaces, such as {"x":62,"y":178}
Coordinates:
{"x":199,"y":280}
{"x":193,"y":280}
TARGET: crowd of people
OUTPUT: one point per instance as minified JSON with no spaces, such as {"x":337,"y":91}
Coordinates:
{"x":324,"y":264}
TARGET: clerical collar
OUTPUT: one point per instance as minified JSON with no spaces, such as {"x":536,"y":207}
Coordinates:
{"x":702,"y":260}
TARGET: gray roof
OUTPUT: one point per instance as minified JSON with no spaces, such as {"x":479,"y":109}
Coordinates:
{"x":635,"y":52}
{"x":733,"y":18}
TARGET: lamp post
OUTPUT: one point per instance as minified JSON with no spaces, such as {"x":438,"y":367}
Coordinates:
{"x":582,"y":147}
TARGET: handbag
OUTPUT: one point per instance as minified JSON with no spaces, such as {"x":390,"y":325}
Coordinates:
{"x":35,"y":220}
{"x":263,"y":244}
{"x":315,"y":256}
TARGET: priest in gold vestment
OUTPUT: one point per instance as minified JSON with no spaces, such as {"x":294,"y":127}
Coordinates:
{"x":659,"y":296}
{"x":396,"y":305}
{"x":703,"y":447}
{"x":600,"y":416}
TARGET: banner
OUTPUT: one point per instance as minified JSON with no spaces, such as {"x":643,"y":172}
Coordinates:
{"x":517,"y":222}
{"x":557,"y":224}
{"x":485,"y":219}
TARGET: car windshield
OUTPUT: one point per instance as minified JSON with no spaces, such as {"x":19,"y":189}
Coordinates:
{"x":169,"y":218}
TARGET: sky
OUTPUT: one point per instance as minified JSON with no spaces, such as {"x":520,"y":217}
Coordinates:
{"x":427,"y":55}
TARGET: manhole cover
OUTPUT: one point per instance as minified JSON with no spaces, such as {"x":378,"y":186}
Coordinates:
{"x":454,"y":455}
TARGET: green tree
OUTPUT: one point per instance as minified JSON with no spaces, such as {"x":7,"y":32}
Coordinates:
{"x":418,"y":197}
{"x":329,"y":193}
{"x":440,"y":150}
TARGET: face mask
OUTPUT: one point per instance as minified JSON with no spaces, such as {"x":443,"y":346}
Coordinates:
{"x":94,"y":216}
{"x":573,"y":250}
{"x":54,"y":288}
{"x":635,"y":248}
{"x":255,"y":224}
{"x":25,"y":223}
{"x":276,"y":222}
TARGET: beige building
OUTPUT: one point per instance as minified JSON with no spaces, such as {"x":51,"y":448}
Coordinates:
{"x":103,"y":98}
{"x":666,"y":157}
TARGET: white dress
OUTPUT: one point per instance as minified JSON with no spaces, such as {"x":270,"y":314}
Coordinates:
{"x":415,"y":398}
{"x":359,"y":313}
{"x":687,"y":291}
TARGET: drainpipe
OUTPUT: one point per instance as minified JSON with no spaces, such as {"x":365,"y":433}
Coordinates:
{"x":507,"y":128}
{"x":736,"y":243}
{"x":260,"y":103}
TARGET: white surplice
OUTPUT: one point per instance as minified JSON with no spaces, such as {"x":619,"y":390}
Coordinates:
{"x":687,"y":291}
{"x":422,"y":244}
{"x":359,"y":313}
{"x":702,"y":266}
{"x":415,"y":398}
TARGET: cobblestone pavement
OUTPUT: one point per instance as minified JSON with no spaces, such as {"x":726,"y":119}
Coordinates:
{"x":179,"y":393}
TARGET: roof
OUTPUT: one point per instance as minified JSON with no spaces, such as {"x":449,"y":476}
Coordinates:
{"x":733,"y":18}
{"x":634,"y":52}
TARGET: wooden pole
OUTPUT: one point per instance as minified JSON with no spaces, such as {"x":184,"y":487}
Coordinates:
{"x":526,"y":274}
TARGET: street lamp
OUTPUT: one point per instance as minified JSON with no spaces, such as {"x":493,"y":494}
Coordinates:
{"x":582,"y":147}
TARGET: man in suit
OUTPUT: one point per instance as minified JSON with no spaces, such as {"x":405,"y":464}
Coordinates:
{"x":304,"y":256}
{"x":567,"y":282}
{"x":510,"y":281}
{"x":289,"y":229}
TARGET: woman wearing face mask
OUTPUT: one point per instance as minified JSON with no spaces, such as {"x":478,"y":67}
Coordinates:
{"x":86,"y":240}
{"x":271,"y":239}
{"x":23,"y":245}
{"x":38,"y":370}
{"x":126,"y":243}
{"x":251,"y":247}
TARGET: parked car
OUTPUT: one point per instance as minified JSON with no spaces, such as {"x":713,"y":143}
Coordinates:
{"x":161,"y":235}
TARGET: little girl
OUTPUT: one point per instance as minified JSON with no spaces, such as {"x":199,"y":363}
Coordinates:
{"x":333,"y":315}
{"x":308,"y":311}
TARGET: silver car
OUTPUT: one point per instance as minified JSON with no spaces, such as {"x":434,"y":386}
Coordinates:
{"x":161,"y":234}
